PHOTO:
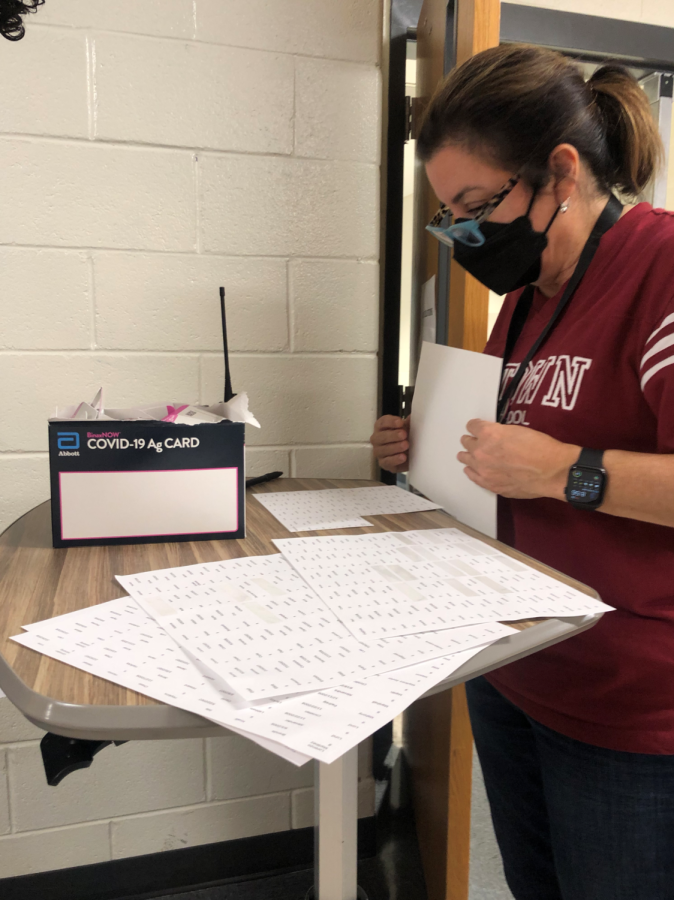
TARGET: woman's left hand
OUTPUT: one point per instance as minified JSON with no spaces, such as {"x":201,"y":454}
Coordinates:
{"x":515,"y":461}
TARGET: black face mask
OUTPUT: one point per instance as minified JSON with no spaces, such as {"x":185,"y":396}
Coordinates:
{"x":510,"y":257}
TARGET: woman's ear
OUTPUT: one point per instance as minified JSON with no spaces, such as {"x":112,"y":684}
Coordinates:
{"x":564,"y":164}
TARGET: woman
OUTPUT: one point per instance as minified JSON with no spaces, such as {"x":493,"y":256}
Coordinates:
{"x":577,"y":741}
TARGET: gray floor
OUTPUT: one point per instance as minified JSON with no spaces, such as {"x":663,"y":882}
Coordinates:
{"x":486,"y":872}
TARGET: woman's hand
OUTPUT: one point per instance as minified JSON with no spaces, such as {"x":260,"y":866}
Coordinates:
{"x":515,"y":461}
{"x":390,"y":443}
{"x":519,"y":462}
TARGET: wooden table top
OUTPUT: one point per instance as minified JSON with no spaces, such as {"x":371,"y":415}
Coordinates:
{"x":38,"y":582}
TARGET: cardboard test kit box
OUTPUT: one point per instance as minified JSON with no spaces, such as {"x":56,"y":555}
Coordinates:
{"x":126,"y":482}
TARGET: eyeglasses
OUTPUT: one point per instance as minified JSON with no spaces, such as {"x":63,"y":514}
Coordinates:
{"x":468,"y":232}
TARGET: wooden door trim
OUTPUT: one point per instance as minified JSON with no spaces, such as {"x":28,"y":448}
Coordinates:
{"x":478,"y":28}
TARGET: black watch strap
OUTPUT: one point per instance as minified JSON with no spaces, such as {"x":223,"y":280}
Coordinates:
{"x":585,"y":489}
{"x":592,"y":458}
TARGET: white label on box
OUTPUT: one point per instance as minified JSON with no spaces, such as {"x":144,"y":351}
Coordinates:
{"x":148,"y":503}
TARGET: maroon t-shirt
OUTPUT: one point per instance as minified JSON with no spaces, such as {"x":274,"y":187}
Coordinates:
{"x":604,"y":378}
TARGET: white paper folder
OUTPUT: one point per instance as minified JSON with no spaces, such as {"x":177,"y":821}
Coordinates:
{"x":148,"y":503}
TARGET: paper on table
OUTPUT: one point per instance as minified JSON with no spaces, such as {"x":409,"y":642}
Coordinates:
{"x":117,"y":641}
{"x":307,"y":654}
{"x":452,"y":387}
{"x":310,"y":514}
{"x":381,"y":585}
{"x":132,"y":650}
{"x":326,"y":724}
{"x":257,"y":625}
{"x":260,"y":588}
{"x":297,"y":523}
{"x":316,"y":510}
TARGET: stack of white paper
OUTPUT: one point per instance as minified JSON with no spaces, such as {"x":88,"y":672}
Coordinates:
{"x":256,"y":588}
{"x":397,"y":583}
{"x":340,"y":508}
{"x":249,"y":644}
{"x":118,"y":641}
{"x":258,"y":626}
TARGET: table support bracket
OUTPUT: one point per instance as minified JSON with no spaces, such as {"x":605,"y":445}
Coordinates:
{"x":63,"y":755}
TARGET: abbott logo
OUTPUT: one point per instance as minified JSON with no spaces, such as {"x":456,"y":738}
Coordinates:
{"x":68,"y":440}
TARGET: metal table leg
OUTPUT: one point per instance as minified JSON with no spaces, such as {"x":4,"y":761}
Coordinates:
{"x":336,"y":841}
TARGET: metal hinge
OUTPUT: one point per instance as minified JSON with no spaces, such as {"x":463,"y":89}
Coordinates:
{"x":412,"y":117}
{"x":405,"y":397}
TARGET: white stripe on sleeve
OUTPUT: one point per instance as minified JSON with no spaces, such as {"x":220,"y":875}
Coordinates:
{"x":669,"y":320}
{"x":662,"y":344}
{"x":669,"y":361}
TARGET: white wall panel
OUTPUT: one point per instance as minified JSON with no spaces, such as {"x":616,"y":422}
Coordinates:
{"x":203,"y":824}
{"x":4,"y":796}
{"x":261,"y":460}
{"x":335,"y":305}
{"x":13,"y":726}
{"x":24,"y":483}
{"x":346,"y":29}
{"x":46,"y":299}
{"x":64,"y":194}
{"x":334,"y":462}
{"x":333,"y":101}
{"x":159,"y":302}
{"x":237,"y":768}
{"x":256,"y":205}
{"x":193,"y":95}
{"x":172,"y":18}
{"x":45,"y":83}
{"x":137,"y":776}
{"x":658,"y":12}
{"x":58,"y":848}
{"x":302,"y":399}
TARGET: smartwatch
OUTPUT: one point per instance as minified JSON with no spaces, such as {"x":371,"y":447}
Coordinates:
{"x":586,"y":484}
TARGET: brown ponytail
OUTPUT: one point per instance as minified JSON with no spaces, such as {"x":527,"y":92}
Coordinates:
{"x":632,"y":139}
{"x":514,"y":103}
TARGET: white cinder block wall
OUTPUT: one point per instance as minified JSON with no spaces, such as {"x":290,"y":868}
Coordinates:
{"x":150,"y":152}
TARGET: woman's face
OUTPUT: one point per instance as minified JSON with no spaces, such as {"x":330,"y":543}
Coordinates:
{"x":464,"y":182}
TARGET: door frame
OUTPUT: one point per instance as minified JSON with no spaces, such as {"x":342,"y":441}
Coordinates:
{"x":403,"y":17}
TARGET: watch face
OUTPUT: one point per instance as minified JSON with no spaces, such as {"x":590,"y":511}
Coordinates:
{"x":585,"y":485}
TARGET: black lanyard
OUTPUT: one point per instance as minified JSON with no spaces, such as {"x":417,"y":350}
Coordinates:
{"x":609,"y":216}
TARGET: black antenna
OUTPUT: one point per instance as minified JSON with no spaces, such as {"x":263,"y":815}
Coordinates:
{"x":229,"y":393}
